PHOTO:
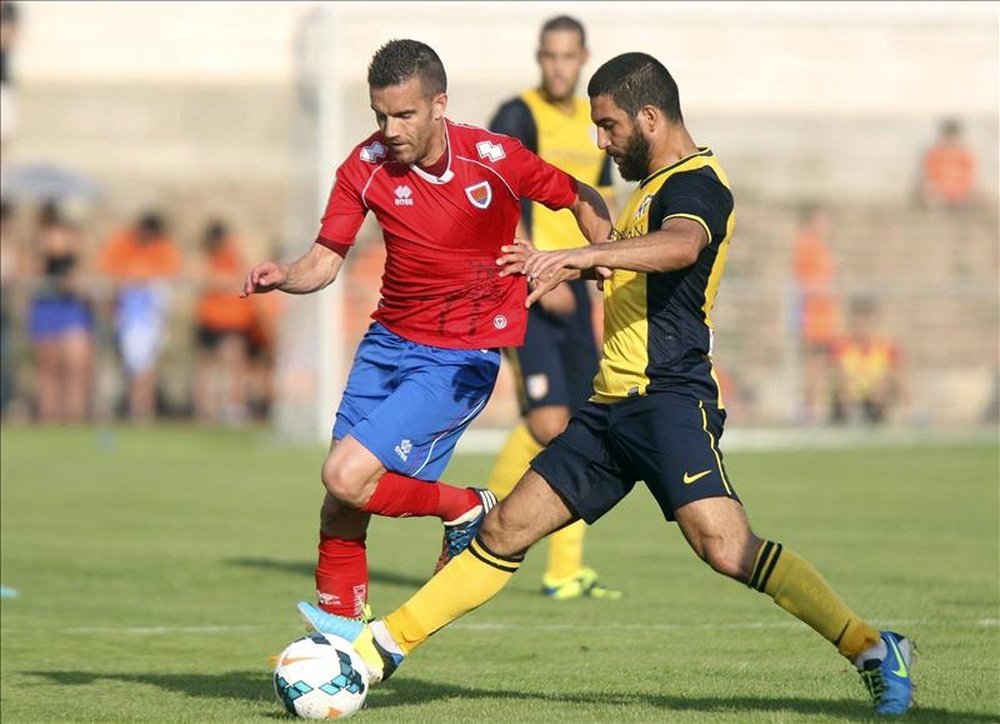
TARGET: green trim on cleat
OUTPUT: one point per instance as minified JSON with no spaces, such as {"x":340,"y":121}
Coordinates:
{"x":890,"y":680}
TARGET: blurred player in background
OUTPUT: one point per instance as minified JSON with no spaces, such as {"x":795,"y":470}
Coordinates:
{"x":656,"y":414}
{"x":447,"y":198}
{"x":555,"y":367}
{"x":869,"y":377}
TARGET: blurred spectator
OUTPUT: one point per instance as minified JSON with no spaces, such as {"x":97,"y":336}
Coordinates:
{"x":949,"y":170}
{"x":60,"y":321}
{"x":263,"y":338}
{"x":141,"y":262}
{"x":869,"y":381}
{"x":10,"y":268}
{"x":224,"y":322}
{"x":8,"y":34}
{"x":817,"y":306}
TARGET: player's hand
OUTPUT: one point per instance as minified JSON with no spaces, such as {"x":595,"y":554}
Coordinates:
{"x":264,"y":278}
{"x":540,"y":287}
{"x":514,"y":255}
{"x":545,"y":264}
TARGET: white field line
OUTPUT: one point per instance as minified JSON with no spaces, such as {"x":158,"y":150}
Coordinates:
{"x":507,"y":626}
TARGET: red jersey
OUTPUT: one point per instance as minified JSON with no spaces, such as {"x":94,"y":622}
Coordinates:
{"x":441,"y":285}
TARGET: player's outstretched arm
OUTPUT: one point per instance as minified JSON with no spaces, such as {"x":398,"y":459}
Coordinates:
{"x":592,"y":215}
{"x":675,"y":246}
{"x":314,"y":270}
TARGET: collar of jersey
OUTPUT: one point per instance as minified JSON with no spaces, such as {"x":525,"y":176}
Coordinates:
{"x":448,"y":174}
{"x":702,"y":151}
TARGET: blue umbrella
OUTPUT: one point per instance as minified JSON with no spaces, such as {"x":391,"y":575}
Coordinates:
{"x":43,"y":181}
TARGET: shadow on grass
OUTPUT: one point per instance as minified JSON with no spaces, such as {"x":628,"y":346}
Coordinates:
{"x":306,"y":568}
{"x":255,"y":686}
{"x":245,"y":685}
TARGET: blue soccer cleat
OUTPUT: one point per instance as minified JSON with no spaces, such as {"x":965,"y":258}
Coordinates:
{"x":458,"y":533}
{"x":890,"y":680}
{"x":381,"y":662}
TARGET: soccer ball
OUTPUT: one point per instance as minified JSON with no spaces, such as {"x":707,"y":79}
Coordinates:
{"x":321,"y":677}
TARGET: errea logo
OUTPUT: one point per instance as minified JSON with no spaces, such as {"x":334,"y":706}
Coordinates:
{"x":404,"y":195}
{"x":373,"y":153}
{"x":488,"y":149}
{"x":403,"y":449}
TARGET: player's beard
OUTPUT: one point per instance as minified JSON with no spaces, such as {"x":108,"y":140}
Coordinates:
{"x":633,"y":163}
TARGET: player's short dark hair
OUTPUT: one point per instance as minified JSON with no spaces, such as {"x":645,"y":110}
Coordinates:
{"x":563,"y":22}
{"x":399,"y":60}
{"x":634,"y":80}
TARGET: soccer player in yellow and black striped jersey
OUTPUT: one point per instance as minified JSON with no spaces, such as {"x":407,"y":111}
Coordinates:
{"x":656,"y":414}
{"x":555,"y":367}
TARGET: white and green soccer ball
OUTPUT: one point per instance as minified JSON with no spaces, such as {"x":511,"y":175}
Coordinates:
{"x":320,"y":676}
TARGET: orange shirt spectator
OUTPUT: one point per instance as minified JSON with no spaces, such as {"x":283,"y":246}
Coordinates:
{"x":814,"y":275}
{"x":220,"y":307}
{"x":949,"y":169}
{"x":134,"y":255}
{"x":141,"y":261}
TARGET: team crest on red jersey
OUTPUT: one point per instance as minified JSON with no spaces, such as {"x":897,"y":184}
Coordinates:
{"x":480,"y":194}
{"x":373,"y":153}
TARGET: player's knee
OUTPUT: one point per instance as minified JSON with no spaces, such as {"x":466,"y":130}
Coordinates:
{"x":724,"y":556}
{"x":344,"y":487}
{"x":545,"y":428}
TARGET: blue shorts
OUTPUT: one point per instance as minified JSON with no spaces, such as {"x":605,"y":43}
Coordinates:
{"x":55,"y":315}
{"x":409,"y":403}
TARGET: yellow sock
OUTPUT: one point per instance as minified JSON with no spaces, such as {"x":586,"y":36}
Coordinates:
{"x":798,"y":587}
{"x":466,"y":583}
{"x":566,"y":551}
{"x":513,"y":460}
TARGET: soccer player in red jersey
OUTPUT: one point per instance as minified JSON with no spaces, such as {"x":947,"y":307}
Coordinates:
{"x":447,"y":197}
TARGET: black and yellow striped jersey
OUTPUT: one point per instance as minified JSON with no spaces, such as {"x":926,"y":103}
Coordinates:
{"x":657,"y":326}
{"x":566,"y":140}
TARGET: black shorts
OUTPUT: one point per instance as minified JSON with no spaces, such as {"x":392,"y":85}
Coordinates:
{"x":558,"y":361}
{"x":210,"y":338}
{"x":670,"y":441}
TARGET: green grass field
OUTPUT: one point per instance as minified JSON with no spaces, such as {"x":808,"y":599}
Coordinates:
{"x":158,"y":570}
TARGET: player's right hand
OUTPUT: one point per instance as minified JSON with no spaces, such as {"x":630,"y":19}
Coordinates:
{"x":264,"y":278}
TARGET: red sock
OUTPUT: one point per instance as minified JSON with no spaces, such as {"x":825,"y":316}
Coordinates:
{"x":399,"y":496}
{"x":342,"y":576}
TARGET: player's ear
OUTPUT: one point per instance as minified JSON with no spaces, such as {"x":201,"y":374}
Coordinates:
{"x":439,"y":104}
{"x":649,"y":117}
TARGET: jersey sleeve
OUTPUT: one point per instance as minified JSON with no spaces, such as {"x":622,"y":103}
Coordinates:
{"x":345,"y":209}
{"x":538,"y":180}
{"x":696,"y":195}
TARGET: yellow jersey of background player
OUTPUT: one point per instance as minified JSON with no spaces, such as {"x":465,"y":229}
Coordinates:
{"x":555,"y":367}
